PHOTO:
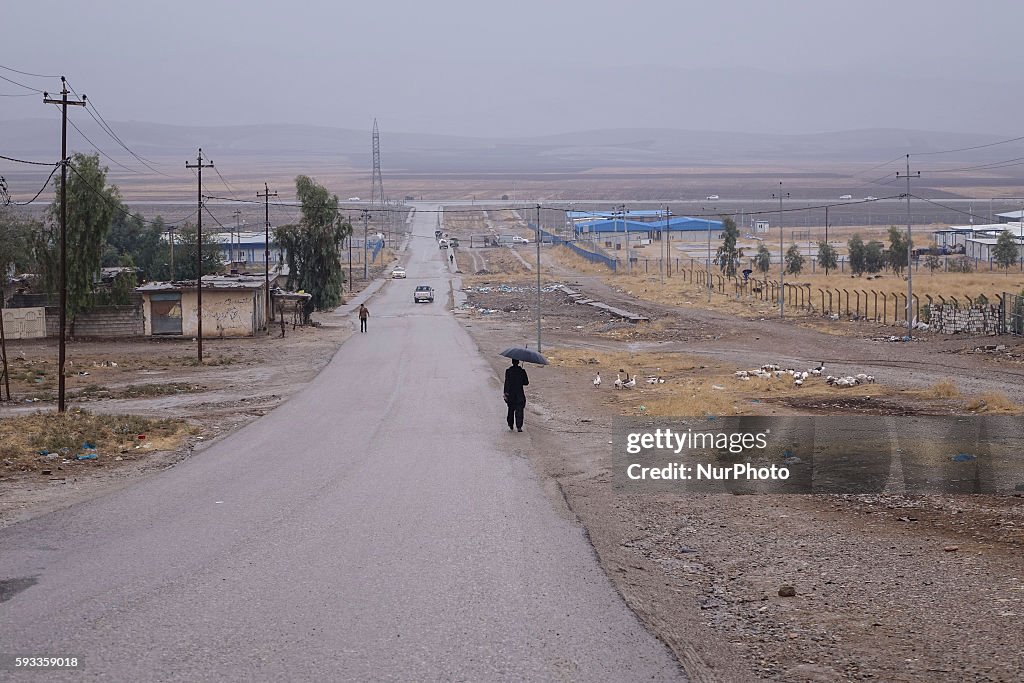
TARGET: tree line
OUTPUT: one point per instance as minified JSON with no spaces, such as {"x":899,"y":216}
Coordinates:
{"x":863,"y":257}
{"x":103,"y":232}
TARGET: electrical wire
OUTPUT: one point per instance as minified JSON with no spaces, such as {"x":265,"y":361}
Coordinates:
{"x":968,"y":149}
{"x":33,"y":163}
{"x":26,"y":73}
{"x":94,"y":146}
{"x":22,"y":85}
{"x":102,"y":123}
{"x":994,"y":164}
{"x":119,"y":206}
{"x":24,"y":94}
{"x":950,"y":208}
{"x":41,"y":190}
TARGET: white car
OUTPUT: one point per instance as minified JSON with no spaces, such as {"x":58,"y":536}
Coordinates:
{"x":398,"y":273}
{"x":423,"y":293}
{"x":847,"y":196}
{"x":353,"y":199}
{"x":711,"y":197}
{"x":516,"y":239}
{"x":869,"y":198}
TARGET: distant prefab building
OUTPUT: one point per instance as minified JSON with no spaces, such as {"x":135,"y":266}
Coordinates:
{"x":232,"y":307}
{"x":761,"y":226}
{"x":981,"y":248}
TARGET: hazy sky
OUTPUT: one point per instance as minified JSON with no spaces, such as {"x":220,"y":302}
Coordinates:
{"x":528,"y":67}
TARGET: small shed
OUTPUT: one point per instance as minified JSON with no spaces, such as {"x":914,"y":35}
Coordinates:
{"x":233,"y":306}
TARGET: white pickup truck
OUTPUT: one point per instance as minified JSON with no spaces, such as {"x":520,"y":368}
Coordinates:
{"x":423,"y":293}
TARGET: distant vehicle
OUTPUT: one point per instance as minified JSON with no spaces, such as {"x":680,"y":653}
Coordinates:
{"x":516,"y":239}
{"x":353,"y":199}
{"x":442,"y":243}
{"x":398,"y":273}
{"x":423,"y":293}
{"x":453,"y":242}
{"x":437,"y":234}
{"x":847,"y":196}
{"x":711,"y":197}
{"x":869,"y":198}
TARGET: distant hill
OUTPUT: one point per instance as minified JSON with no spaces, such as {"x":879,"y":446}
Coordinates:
{"x":570,"y":152}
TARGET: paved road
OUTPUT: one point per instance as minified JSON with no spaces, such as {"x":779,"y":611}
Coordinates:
{"x":382,"y":524}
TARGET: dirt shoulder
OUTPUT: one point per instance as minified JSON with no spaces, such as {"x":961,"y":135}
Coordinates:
{"x":887,"y":587}
{"x":240,"y":380}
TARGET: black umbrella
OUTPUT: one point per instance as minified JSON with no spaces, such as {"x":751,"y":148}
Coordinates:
{"x":525,"y":355}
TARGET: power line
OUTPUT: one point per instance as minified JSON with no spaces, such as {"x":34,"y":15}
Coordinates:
{"x":21,"y":85}
{"x":26,"y":73}
{"x":94,"y":146}
{"x":950,"y":208}
{"x":24,"y":94}
{"x":41,"y":190}
{"x":102,"y":123}
{"x":968,"y":149}
{"x":33,"y":163}
{"x":119,"y":206}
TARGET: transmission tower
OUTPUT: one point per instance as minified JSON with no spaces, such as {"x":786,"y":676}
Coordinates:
{"x":377,"y":191}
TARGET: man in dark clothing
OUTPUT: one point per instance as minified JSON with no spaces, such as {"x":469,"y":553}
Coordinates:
{"x":515,"y":397}
{"x":364,"y":314}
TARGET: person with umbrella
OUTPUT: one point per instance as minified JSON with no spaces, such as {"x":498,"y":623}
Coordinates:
{"x":515,"y":379}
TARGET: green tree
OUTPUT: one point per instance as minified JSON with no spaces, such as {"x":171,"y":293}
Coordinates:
{"x":827,"y":256}
{"x":932,"y":261}
{"x":1005,"y":252}
{"x":898,"y":246}
{"x":794,"y":260}
{"x":728,"y":256}
{"x":185,"y":253}
{"x":763,"y":259}
{"x":874,"y":256}
{"x":313,"y":245}
{"x":858,"y":254}
{"x":91,"y":205}
{"x":16,"y":235}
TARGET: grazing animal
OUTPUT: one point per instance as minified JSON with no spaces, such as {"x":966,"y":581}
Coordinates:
{"x":631,"y":383}
{"x":618,"y":380}
{"x":597,"y":381}
{"x":798,"y":382}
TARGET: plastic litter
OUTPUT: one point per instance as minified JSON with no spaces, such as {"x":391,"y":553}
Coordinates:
{"x":963,"y":457}
{"x":87,"y":456}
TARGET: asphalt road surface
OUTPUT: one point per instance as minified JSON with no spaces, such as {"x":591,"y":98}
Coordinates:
{"x":383,"y":524}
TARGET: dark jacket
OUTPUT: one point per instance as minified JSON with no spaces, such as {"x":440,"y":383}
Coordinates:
{"x":515,"y":380}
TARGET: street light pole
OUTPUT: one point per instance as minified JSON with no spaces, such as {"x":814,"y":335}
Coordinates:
{"x":707,"y":261}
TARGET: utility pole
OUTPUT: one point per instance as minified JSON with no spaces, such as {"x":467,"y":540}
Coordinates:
{"x":707,"y":263}
{"x":826,"y":231}
{"x":4,"y":371}
{"x":170,"y":238}
{"x":231,"y":241}
{"x":910,"y":271}
{"x":366,"y":265}
{"x":782,"y":257}
{"x":538,"y":279}
{"x":668,"y":227}
{"x":349,"y":274}
{"x":199,"y":166}
{"x":266,"y":194}
{"x":61,"y":344}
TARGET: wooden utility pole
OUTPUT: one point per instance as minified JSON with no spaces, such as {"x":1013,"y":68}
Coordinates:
{"x":910,"y":249}
{"x":4,"y":372}
{"x":266,"y":194}
{"x":199,"y":166}
{"x":61,"y":344}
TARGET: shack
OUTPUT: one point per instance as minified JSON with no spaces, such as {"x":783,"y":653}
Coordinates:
{"x":233,"y":306}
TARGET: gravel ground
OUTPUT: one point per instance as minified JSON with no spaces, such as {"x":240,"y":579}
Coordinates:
{"x":885,"y":587}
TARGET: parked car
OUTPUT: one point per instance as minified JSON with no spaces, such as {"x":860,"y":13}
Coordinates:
{"x":442,"y":243}
{"x":398,"y":273}
{"x":516,"y":239}
{"x":423,"y":293}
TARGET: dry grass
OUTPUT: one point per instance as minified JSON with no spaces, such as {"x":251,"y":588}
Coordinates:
{"x":994,"y":402}
{"x":944,"y":389}
{"x":46,"y":440}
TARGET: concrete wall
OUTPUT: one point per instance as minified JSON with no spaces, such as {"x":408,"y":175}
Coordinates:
{"x":226,"y":313}
{"x":24,"y":323}
{"x":109,"y":321}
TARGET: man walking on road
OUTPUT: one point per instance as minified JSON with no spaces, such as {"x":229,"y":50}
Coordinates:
{"x":515,"y":397}
{"x":364,"y":314}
